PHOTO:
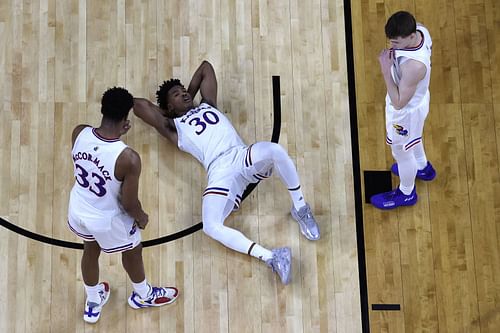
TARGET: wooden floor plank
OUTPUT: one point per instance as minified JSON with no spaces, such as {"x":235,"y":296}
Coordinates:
{"x":484,"y":190}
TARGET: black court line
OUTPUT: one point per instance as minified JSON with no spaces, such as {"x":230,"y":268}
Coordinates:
{"x":168,"y":238}
{"x":386,"y":307}
{"x":358,"y":209}
{"x":38,"y":237}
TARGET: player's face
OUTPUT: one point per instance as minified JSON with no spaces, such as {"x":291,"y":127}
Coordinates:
{"x":402,"y":42}
{"x":179,"y":100}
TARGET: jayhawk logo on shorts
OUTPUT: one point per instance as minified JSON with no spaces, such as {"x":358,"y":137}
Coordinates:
{"x":400,"y":130}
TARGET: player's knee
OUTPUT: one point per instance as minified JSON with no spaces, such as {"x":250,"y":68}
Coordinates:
{"x":91,"y":250}
{"x":212,"y":229}
{"x":398,"y":152}
{"x":277,"y":151}
{"x":135,"y":252}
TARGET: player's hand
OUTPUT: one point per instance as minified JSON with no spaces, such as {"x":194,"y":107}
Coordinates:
{"x":143,"y":221}
{"x":386,"y":59}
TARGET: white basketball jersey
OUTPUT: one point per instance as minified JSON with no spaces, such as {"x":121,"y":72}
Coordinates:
{"x":206,"y":133}
{"x":421,"y":53}
{"x":95,"y":195}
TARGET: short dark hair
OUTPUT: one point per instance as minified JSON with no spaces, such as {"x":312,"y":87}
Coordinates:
{"x":161,"y":93}
{"x":400,"y":24}
{"x":116,"y":103}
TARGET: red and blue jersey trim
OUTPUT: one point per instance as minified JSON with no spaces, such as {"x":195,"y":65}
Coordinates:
{"x":260,"y":176}
{"x":412,"y":143}
{"x":248,"y":157}
{"x":103,"y":138}
{"x":217,"y":191}
{"x":237,"y":201}
{"x":118,"y":248}
{"x":79,"y":234}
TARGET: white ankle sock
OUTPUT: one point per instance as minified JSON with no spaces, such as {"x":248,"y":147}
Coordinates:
{"x":297,"y":197}
{"x":93,"y":293}
{"x":259,"y":252}
{"x":142,"y":288}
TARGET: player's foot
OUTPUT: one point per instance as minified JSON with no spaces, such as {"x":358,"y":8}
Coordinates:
{"x":157,"y":296}
{"x":281,"y":263}
{"x":92,"y":311}
{"x":307,"y":223}
{"x":428,"y":173}
{"x":394,"y":198}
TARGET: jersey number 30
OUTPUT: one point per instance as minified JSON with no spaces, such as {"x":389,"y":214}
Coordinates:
{"x":209,"y":117}
{"x":97,"y":185}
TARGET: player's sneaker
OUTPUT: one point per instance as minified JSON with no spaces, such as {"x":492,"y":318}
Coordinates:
{"x":92,"y":311}
{"x":281,"y":263}
{"x":307,"y":223}
{"x":157,"y":296}
{"x":428,"y":173}
{"x":394,"y":198}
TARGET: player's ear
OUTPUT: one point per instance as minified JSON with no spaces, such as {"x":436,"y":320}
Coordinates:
{"x":170,"y":109}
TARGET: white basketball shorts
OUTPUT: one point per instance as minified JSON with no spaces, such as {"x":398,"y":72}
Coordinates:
{"x":405,"y":127}
{"x":117,"y":234}
{"x":231,"y":173}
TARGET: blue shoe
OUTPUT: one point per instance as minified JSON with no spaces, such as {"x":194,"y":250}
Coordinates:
{"x":93,"y":310}
{"x":428,"y":173}
{"x":157,"y":296}
{"x":394,"y":198}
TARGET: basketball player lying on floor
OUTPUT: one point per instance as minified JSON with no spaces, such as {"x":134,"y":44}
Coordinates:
{"x":204,"y":132}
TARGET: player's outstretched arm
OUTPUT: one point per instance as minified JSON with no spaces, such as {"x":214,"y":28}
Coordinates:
{"x":152,"y":115}
{"x":205,"y":81}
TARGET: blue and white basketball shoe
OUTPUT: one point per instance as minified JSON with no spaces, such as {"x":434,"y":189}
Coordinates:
{"x":157,"y":296}
{"x":93,"y":310}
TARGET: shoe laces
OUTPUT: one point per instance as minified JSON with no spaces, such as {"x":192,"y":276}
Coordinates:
{"x":273,"y":262}
{"x":157,"y":291}
{"x":391,"y":194}
{"x":94,"y":304}
{"x":303,"y":211}
{"x":160,"y":292}
{"x":306,"y":215}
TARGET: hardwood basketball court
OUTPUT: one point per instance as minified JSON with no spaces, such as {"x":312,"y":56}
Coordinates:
{"x":439,"y":260}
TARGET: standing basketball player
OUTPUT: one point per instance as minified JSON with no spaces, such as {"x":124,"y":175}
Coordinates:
{"x":104,"y":209}
{"x":204,"y":132}
{"x":406,"y":68}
